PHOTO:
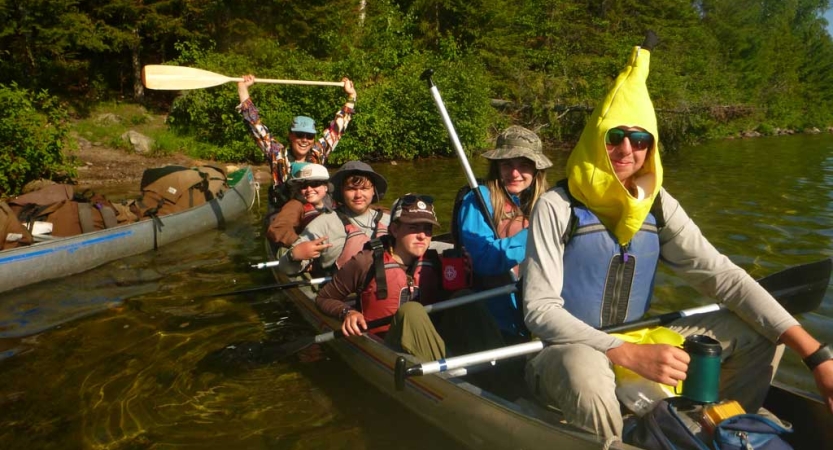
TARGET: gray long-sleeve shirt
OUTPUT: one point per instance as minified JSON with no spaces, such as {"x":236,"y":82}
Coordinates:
{"x":682,"y":246}
{"x":330,"y":225}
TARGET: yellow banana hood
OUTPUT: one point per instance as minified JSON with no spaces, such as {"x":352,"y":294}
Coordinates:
{"x":592,"y":179}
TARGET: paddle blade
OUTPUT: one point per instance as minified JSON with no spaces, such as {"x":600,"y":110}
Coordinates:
{"x":800,"y":289}
{"x":174,"y":78}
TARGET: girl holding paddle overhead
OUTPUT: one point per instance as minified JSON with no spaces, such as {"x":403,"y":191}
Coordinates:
{"x":497,"y":242}
{"x":594,"y":246}
{"x":302,"y":143}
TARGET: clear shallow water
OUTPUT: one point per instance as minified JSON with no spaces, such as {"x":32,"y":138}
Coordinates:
{"x":115,"y":358}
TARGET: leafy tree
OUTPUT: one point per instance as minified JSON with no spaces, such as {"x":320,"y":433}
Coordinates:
{"x":33,"y":137}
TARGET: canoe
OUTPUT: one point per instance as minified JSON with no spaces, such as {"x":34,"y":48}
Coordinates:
{"x":60,"y":257}
{"x":480,"y":419}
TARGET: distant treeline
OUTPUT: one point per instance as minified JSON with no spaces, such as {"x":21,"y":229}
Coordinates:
{"x":722,"y":66}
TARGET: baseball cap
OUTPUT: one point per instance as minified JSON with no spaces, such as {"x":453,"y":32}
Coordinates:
{"x":303,"y":124}
{"x":414,"y":208}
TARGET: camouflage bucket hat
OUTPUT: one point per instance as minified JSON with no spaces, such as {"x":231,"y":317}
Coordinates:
{"x":518,"y":142}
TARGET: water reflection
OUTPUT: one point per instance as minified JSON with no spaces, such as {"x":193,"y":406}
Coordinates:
{"x":114,"y":358}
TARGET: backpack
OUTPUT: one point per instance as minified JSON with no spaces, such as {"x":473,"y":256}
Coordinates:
{"x":217,"y":181}
{"x":68,"y":213}
{"x":673,"y":425}
{"x":170,"y":189}
{"x":13,"y":232}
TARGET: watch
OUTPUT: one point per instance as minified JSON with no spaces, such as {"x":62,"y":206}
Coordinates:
{"x":344,"y":313}
{"x":819,"y":356}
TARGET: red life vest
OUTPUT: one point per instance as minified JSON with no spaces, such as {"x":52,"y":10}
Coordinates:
{"x":420,"y":283}
{"x":356,"y":238}
{"x":309,"y":213}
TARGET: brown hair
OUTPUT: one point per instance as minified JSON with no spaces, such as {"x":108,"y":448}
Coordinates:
{"x":500,"y":197}
{"x":357,"y":181}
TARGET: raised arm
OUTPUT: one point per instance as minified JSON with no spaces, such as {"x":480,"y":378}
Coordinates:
{"x":331,"y":136}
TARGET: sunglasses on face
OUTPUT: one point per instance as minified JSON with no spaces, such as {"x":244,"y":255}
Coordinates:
{"x":301,"y":135}
{"x":312,"y":184}
{"x":640,"y":140}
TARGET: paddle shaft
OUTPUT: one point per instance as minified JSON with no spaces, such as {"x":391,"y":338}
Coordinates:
{"x":265,"y":265}
{"x":458,"y":147}
{"x":526,"y":348}
{"x":796,"y":297}
{"x":163,"y":77}
{"x":276,"y":287}
{"x":435,"y":307}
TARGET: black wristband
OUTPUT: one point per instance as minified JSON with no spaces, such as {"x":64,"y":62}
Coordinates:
{"x":824,"y":353}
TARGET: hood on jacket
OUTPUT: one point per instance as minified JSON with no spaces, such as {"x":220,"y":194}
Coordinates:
{"x":592,"y":179}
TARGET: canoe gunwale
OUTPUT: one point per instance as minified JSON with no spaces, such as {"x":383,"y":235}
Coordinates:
{"x":60,"y":257}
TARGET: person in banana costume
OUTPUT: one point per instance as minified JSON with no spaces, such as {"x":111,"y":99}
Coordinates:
{"x":592,"y":252}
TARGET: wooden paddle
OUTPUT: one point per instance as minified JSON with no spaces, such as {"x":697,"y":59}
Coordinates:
{"x":175,"y":78}
{"x":798,"y":289}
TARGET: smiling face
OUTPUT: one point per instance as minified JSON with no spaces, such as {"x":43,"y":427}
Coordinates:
{"x":627,"y":157}
{"x":516,"y":174}
{"x":300,"y":144}
{"x":313,"y":192}
{"x":357,"y":193}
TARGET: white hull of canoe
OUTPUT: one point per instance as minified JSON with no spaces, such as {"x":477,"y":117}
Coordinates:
{"x":66,"y":256}
{"x":478,"y":419}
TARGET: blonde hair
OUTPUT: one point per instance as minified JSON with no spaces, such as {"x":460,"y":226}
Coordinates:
{"x":500,"y":197}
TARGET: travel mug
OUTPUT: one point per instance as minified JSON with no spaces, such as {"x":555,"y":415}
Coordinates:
{"x":702,"y":382}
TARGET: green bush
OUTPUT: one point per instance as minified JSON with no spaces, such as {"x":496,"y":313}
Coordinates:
{"x":396,"y":116}
{"x":34,"y":130}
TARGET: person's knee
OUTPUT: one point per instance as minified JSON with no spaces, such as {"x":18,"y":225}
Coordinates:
{"x":411,"y":310}
{"x":578,"y":369}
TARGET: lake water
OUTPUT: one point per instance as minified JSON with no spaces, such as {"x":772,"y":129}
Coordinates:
{"x":112,"y":358}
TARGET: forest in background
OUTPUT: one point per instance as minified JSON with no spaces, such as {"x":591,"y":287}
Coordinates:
{"x":722,"y":67}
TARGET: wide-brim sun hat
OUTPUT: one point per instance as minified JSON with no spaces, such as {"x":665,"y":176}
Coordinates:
{"x":301,"y":172}
{"x":380,"y":185}
{"x":519,"y":142}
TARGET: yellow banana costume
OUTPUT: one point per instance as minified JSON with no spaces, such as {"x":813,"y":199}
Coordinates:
{"x":592,"y":179}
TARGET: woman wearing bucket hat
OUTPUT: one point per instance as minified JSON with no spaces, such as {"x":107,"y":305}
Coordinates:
{"x":310,"y":190}
{"x":302,"y":132}
{"x":332,"y":239}
{"x":517,"y":177}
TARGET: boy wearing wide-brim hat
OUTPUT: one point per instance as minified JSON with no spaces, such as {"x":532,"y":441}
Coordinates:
{"x":330,"y":240}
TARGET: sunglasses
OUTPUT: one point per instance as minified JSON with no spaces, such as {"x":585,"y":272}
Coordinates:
{"x":410,"y":199}
{"x":301,"y":135}
{"x":312,"y":184}
{"x":640,"y":140}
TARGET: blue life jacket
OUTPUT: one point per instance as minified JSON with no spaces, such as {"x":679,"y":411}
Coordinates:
{"x":605,"y":283}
